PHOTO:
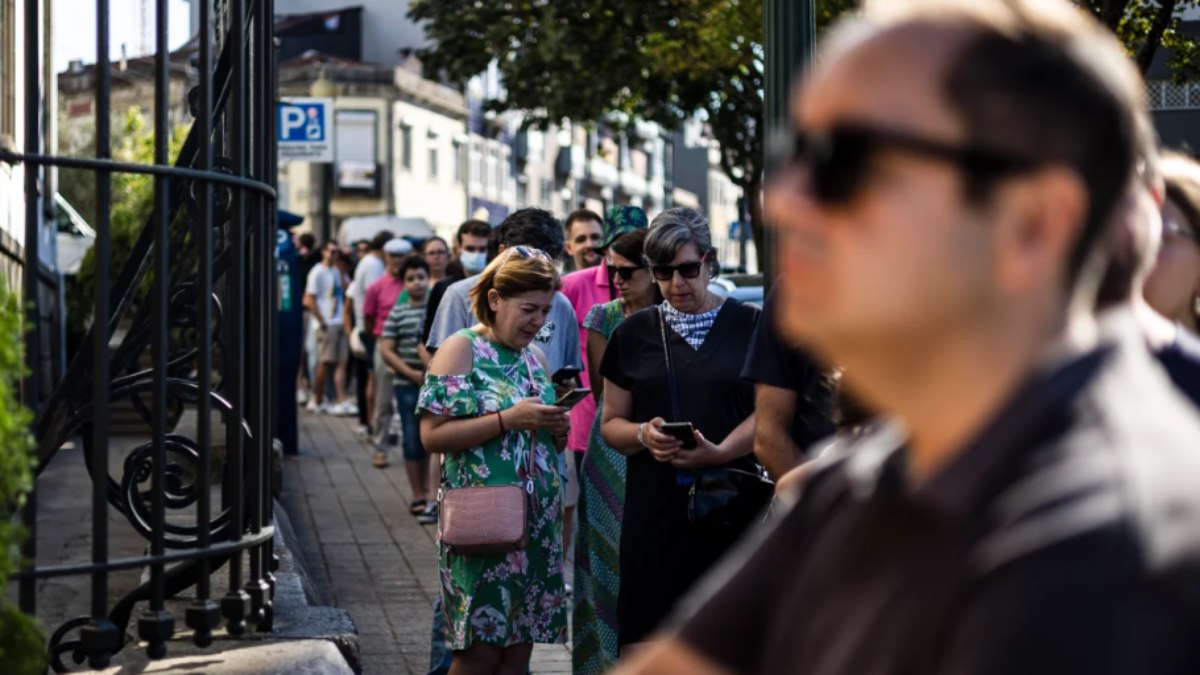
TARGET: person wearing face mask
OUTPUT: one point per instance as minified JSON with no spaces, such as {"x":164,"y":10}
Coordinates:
{"x":470,"y":255}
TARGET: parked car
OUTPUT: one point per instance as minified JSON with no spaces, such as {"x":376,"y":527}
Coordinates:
{"x":747,"y":288}
{"x":75,"y":236}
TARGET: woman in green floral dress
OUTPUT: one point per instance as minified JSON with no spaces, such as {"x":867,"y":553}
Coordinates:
{"x":486,"y":405}
{"x":602,"y":476}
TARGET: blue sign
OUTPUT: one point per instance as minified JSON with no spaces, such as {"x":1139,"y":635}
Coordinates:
{"x":303,"y":130}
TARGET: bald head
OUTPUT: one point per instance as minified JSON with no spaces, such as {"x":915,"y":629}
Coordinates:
{"x":1037,"y":79}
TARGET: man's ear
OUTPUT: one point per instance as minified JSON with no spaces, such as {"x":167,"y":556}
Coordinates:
{"x":1041,"y":217}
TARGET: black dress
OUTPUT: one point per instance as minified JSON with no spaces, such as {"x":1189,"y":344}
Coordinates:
{"x":662,"y":554}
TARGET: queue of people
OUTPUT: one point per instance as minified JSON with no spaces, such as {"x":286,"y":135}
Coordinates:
{"x":996,"y":475}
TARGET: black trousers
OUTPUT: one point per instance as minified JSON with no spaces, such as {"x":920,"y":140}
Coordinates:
{"x":362,"y":371}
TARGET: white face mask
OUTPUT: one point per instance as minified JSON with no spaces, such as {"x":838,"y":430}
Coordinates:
{"x":473,"y":262}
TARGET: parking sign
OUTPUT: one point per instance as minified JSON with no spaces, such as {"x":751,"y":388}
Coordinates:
{"x":305,"y":130}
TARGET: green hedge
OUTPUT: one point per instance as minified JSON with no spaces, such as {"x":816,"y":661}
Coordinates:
{"x":22,"y":645}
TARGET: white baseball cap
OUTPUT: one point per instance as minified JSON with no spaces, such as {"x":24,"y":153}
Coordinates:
{"x":397,"y":247}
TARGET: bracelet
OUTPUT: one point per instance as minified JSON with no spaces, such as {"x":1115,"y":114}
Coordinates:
{"x":640,"y":438}
{"x":500,"y":419}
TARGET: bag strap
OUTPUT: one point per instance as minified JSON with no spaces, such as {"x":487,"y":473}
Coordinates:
{"x":672,"y":386}
{"x":526,"y":356}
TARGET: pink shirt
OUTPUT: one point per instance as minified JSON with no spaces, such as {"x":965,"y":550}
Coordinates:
{"x":585,"y":289}
{"x":381,"y":297}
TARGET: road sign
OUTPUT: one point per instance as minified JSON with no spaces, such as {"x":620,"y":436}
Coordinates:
{"x":305,"y":130}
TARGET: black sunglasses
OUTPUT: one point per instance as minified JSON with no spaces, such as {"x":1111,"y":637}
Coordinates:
{"x":528,"y":252}
{"x":688,"y":270}
{"x":626,"y":271}
{"x":838,"y":160}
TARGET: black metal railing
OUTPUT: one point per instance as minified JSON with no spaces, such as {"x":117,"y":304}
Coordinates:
{"x":197,"y":295}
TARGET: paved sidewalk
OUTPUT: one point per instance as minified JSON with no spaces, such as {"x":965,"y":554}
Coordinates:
{"x":364,"y":552}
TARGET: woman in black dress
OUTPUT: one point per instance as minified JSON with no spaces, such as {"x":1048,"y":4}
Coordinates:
{"x":662,"y":551}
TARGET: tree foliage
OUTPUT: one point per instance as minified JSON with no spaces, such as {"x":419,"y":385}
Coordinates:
{"x":22,"y":646}
{"x":1145,"y":26}
{"x":132,"y":203}
{"x":667,"y":60}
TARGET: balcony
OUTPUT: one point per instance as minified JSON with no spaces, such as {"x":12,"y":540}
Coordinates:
{"x":632,"y":184}
{"x":602,"y":173}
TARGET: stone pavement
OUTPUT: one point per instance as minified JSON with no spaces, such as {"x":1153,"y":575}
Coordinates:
{"x":362,"y":550}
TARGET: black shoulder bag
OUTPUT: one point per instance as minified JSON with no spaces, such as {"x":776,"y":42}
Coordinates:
{"x":726,"y":495}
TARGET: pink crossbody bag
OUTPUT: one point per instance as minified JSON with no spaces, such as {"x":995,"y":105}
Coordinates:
{"x":491,"y":518}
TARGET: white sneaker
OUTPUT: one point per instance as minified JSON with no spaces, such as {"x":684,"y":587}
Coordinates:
{"x":313,"y":406}
{"x":301,"y":397}
{"x":348,"y":408}
{"x":362,"y":430}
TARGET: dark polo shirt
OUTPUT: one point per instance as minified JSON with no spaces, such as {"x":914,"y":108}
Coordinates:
{"x":1064,"y":539}
{"x":772,"y":361}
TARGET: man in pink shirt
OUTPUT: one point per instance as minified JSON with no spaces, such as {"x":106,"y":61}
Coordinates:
{"x":381,"y":296}
{"x":585,"y":289}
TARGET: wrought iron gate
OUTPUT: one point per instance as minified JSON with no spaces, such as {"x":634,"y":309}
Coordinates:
{"x":198,"y":293}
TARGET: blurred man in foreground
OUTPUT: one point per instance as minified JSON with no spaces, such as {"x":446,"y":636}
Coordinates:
{"x":1032,"y":506}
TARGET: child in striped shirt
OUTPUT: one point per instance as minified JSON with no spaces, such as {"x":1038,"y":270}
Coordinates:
{"x":399,"y":345}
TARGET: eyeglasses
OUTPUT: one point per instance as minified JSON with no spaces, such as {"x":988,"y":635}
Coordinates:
{"x":838,"y":159}
{"x":625,"y":271}
{"x":687,"y":270}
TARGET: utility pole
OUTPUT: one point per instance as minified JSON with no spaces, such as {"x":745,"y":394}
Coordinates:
{"x":791,"y":34}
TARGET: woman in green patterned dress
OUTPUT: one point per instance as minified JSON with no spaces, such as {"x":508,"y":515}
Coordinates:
{"x":486,"y":405}
{"x":602,"y":475}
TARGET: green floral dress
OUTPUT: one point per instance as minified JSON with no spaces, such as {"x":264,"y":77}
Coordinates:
{"x":502,"y":599}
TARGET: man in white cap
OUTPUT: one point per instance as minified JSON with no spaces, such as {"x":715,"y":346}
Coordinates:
{"x":381,"y":296}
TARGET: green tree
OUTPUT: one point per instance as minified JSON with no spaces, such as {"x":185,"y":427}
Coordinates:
{"x":667,"y":60}
{"x":132,"y":203}
{"x":22,"y":645}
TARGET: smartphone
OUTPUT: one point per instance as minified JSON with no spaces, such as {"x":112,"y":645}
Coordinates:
{"x":572,"y":397}
{"x":565,"y":373}
{"x":683,"y":431}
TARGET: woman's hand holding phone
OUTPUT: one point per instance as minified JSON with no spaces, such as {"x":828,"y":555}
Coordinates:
{"x":531,"y":414}
{"x":663,"y":446}
{"x":705,"y":454}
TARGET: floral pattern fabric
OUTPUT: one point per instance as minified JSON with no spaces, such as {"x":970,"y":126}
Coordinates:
{"x":502,"y":599}
{"x":598,"y":542}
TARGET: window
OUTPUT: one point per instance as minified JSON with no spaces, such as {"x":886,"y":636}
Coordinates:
{"x":406,"y":147}
{"x":433,"y":159}
{"x":459,"y":161}
{"x":547,"y":191}
{"x":522,"y":194}
{"x":8,"y":73}
{"x":476,"y":164}
{"x":355,"y":158}
{"x":490,"y":181}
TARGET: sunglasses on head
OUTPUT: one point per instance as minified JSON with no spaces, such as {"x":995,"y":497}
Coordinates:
{"x":528,"y":253}
{"x":688,"y":270}
{"x":626,"y":272}
{"x":838,"y":159}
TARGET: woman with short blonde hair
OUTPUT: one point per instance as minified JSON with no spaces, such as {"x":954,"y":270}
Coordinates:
{"x":487,"y":405}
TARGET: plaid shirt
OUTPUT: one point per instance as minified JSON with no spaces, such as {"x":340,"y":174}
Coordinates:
{"x":693,"y":328}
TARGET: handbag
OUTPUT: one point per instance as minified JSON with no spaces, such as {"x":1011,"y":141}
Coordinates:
{"x":489,"y":518}
{"x":726,"y":495}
